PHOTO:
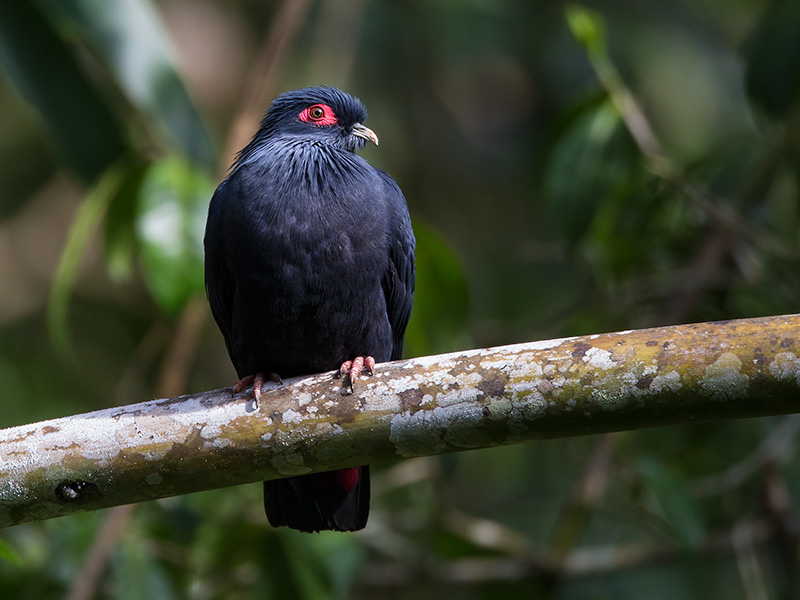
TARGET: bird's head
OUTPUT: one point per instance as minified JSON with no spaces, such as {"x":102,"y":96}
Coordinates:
{"x":319,"y":114}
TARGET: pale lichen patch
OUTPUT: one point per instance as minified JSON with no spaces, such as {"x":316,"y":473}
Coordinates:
{"x":611,"y":397}
{"x":540,"y":345}
{"x":126,"y":432}
{"x":190,"y":408}
{"x":464,"y":388}
{"x":545,"y":387}
{"x":442,"y":362}
{"x":531,"y":409}
{"x":210,"y":431}
{"x":287,"y":438}
{"x":668,"y":382}
{"x":631,"y":383}
{"x":417,"y":434}
{"x":154,"y":479}
{"x":461,"y":430}
{"x":384,"y":400}
{"x":521,"y":395}
{"x":524,"y":412}
{"x":455,"y":396}
{"x":398,"y":384}
{"x":785,"y":365}
{"x":499,"y":408}
{"x":629,"y":379}
{"x":519,"y":365}
{"x":441,"y":379}
{"x":599,"y":358}
{"x":13,"y":488}
{"x":724,"y":379}
{"x":494,"y":363}
{"x":291,"y":416}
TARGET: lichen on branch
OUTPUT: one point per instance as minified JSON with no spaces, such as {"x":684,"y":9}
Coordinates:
{"x":418,"y":407}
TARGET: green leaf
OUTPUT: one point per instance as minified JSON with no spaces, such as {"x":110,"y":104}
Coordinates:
{"x":128,"y":37}
{"x":772,"y":78}
{"x":169,"y":228}
{"x":590,"y":164}
{"x":7,"y":553}
{"x":587,"y":27}
{"x":673,"y":496}
{"x":44,"y":69}
{"x":85,"y":224}
{"x":120,"y":225}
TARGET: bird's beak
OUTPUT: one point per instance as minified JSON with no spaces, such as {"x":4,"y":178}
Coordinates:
{"x":364,"y":132}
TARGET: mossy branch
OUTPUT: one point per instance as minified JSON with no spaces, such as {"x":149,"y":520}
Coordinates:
{"x":419,"y":407}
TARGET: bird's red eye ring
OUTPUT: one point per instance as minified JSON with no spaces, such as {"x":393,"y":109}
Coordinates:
{"x":318,"y":114}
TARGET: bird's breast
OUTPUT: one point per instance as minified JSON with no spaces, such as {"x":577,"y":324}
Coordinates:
{"x":299,"y":241}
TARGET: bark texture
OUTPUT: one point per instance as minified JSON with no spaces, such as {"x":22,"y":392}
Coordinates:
{"x":418,"y":407}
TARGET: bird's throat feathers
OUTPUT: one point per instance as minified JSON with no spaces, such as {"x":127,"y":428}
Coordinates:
{"x":290,"y":165}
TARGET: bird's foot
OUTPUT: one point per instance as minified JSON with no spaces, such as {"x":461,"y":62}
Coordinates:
{"x":353,"y":368}
{"x":257,"y":381}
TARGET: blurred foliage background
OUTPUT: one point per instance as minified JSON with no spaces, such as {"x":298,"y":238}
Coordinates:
{"x":570,"y":170}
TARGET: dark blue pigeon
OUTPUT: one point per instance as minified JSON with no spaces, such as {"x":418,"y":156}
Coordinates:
{"x":310,"y":268}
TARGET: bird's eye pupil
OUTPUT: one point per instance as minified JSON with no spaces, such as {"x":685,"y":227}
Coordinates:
{"x":317,"y":113}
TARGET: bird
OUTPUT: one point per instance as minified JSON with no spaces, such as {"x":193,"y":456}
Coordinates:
{"x":309,"y":267}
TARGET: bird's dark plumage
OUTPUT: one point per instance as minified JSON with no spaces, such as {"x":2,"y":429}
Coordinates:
{"x":310,"y":263}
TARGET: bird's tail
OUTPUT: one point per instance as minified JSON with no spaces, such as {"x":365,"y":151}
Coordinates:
{"x":334,"y":500}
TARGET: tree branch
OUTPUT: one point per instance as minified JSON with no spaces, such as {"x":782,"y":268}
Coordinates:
{"x":418,"y":407}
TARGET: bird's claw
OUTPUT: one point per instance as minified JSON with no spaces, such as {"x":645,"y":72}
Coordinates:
{"x":353,"y":369}
{"x":257,"y":381}
{"x":243,"y":383}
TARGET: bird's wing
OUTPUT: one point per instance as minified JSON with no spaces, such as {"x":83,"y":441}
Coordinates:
{"x":220,"y":287}
{"x":398,"y":280}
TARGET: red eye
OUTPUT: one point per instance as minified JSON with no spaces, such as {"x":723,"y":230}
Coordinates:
{"x":318,"y":114}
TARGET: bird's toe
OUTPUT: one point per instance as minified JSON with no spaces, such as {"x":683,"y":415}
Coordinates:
{"x":353,"y":369}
